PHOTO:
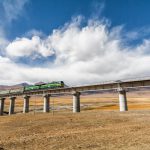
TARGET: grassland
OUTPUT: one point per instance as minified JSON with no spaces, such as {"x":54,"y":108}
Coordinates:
{"x":99,"y":126}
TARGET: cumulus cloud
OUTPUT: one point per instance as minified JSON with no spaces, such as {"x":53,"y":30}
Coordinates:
{"x":27,"y":47}
{"x":83,"y":54}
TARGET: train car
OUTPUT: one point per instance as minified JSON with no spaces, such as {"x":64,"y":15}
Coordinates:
{"x":31,"y":87}
{"x":53,"y":85}
{"x":17,"y":90}
{"x":4,"y":92}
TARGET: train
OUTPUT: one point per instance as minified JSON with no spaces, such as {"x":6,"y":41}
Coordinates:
{"x":51,"y":85}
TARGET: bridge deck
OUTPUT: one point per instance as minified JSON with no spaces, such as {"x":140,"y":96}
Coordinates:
{"x":101,"y":86}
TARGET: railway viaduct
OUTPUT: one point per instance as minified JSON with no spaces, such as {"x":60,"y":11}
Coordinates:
{"x":120,"y":86}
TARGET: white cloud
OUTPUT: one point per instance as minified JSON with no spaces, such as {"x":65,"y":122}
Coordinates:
{"x":3,"y":41}
{"x":13,"y":8}
{"x":34,"y":32}
{"x":84,"y":54}
{"x":27,"y":47}
{"x":10,"y":10}
{"x":88,"y":54}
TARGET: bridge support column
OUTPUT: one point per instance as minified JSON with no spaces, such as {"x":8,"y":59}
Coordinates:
{"x":26,"y":104}
{"x":2,"y":100}
{"x":122,"y":100}
{"x":46,"y":105}
{"x":76,"y":102}
{"x":12,"y":105}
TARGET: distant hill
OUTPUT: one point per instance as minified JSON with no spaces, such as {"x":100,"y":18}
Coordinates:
{"x":22,"y":84}
{"x":39,"y":83}
{"x":5,"y":87}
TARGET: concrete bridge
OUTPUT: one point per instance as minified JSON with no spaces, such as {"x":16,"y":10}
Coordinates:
{"x":120,"y":86}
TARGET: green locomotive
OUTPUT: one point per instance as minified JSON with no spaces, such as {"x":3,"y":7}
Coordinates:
{"x":51,"y":85}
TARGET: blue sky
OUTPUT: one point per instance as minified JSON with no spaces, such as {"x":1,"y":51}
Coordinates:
{"x":47,"y":15}
{"x":72,"y":40}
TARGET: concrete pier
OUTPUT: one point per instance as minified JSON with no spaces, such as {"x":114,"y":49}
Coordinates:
{"x":2,"y":100}
{"x":12,"y":105}
{"x":26,"y":104}
{"x":46,"y":105}
{"x":122,"y":100}
{"x":76,"y":102}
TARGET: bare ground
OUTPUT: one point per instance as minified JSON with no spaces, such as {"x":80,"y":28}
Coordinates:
{"x":99,"y":126}
{"x":87,"y":130}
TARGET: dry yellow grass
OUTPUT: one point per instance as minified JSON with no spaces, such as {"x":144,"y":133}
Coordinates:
{"x":89,"y":130}
{"x":136,"y":101}
{"x":99,"y":126}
